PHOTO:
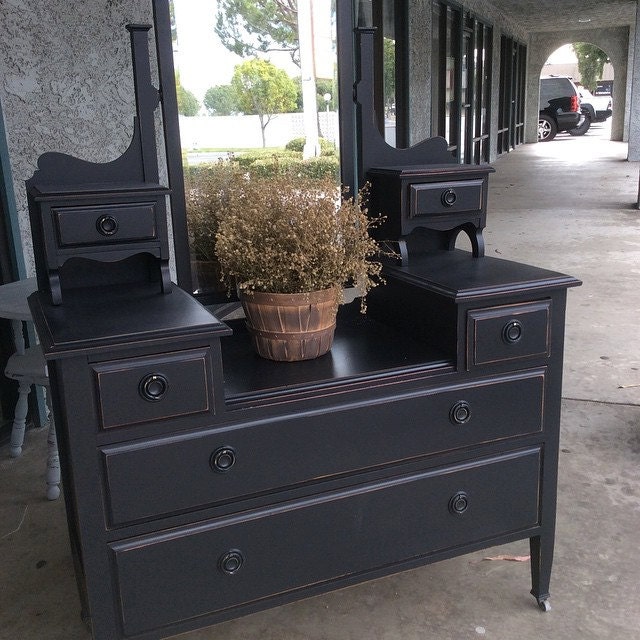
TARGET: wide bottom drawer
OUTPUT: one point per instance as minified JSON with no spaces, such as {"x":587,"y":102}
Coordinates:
{"x":190,"y":572}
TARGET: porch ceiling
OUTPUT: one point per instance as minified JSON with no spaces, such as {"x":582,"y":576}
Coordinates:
{"x":567,"y":15}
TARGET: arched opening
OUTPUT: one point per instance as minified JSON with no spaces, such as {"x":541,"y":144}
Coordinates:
{"x":612,"y":41}
{"x":579,"y":69}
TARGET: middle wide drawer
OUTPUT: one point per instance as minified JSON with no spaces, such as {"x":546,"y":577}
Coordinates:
{"x":158,"y":477}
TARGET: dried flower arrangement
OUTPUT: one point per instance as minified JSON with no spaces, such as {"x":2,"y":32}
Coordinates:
{"x":292,"y":235}
{"x":206,"y":189}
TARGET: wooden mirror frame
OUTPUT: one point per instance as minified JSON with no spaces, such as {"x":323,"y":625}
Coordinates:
{"x":345,"y":12}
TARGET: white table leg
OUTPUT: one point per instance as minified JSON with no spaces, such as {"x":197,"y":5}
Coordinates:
{"x":53,"y":459}
{"x":19,"y":420}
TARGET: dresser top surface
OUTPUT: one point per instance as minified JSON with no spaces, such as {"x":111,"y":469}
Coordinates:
{"x":458,"y":275}
{"x":364,"y":351}
{"x":103,"y":319}
{"x":43,"y":191}
{"x":434,"y":170}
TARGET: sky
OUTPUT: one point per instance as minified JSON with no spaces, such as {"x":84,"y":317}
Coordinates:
{"x":200,"y":57}
{"x":204,"y":62}
{"x":563,"y":55}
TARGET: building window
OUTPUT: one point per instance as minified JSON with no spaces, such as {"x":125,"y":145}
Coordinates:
{"x":461,"y":82}
{"x":513,"y":57}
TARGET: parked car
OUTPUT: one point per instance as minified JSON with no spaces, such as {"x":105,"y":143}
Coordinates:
{"x":559,"y":106}
{"x":604,"y":88}
{"x":593,"y":109}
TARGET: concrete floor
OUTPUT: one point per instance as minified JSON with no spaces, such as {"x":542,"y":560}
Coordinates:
{"x":567,"y":205}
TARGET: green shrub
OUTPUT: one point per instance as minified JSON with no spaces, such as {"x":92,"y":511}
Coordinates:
{"x":295,"y":144}
{"x":277,"y":166}
{"x":322,"y":167}
{"x":206,"y":187}
{"x":246,"y":159}
{"x":327,"y":148}
{"x":313,"y":168}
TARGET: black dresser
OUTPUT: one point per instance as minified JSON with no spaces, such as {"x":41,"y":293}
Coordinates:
{"x":203,"y":482}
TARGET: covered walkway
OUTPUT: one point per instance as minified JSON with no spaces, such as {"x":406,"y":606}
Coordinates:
{"x":568,"y":205}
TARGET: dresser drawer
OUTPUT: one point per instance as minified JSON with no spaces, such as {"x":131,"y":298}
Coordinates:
{"x":105,"y":224}
{"x":221,"y":564}
{"x":508,"y":333}
{"x":150,"y":388}
{"x":165,"y":475}
{"x":445,"y":197}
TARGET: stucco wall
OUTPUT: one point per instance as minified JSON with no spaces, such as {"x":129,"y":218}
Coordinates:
{"x":420,"y":62}
{"x":66,"y":83}
{"x":497,"y":18}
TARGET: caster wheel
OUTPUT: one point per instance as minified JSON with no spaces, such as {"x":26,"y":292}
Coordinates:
{"x":544,"y":605}
{"x":86,"y":620}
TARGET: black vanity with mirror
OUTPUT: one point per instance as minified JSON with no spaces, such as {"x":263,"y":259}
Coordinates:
{"x":203,"y":483}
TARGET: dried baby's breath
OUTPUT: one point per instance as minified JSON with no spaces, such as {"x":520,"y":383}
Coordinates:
{"x":290,"y":235}
{"x":206,"y":192}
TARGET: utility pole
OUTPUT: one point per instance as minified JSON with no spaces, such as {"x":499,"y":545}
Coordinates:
{"x":307,"y":69}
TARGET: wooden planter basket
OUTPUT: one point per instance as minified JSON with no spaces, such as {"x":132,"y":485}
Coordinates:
{"x":291,"y":326}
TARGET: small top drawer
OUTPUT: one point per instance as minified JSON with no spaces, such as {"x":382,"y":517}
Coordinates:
{"x":106,"y":224}
{"x":150,"y":388}
{"x":445,"y":197}
{"x":506,"y":333}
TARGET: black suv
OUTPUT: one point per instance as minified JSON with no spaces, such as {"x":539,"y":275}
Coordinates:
{"x":559,"y":106}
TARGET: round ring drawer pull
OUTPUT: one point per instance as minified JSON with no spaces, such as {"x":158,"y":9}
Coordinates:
{"x":448,"y":198}
{"x":459,"y":503}
{"x":231,"y":562}
{"x":512,"y":331}
{"x":153,"y":387}
{"x":460,"y":412}
{"x":223,"y":459}
{"x":107,"y":225}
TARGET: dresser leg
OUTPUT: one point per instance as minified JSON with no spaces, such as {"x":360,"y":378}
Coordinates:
{"x":541,"y":561}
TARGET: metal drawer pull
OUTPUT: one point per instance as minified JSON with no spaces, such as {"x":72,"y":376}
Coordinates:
{"x":459,"y":503}
{"x":153,"y":387}
{"x":448,"y":198}
{"x":107,"y":225}
{"x":512,"y":331}
{"x":223,"y":459}
{"x":231,"y":562}
{"x":460,"y":412}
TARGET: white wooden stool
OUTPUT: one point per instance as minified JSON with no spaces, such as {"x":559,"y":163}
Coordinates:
{"x":30,"y":368}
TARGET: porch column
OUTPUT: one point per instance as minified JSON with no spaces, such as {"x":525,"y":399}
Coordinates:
{"x":634,"y":106}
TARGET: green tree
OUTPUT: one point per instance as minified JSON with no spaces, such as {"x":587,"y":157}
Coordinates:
{"x":299,"y":106}
{"x":248,"y":27}
{"x":591,"y":61}
{"x":264,"y":90}
{"x":389,"y":75}
{"x":188,"y":104}
{"x":221,"y":101}
{"x":172,"y":19}
{"x":323,"y":86}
